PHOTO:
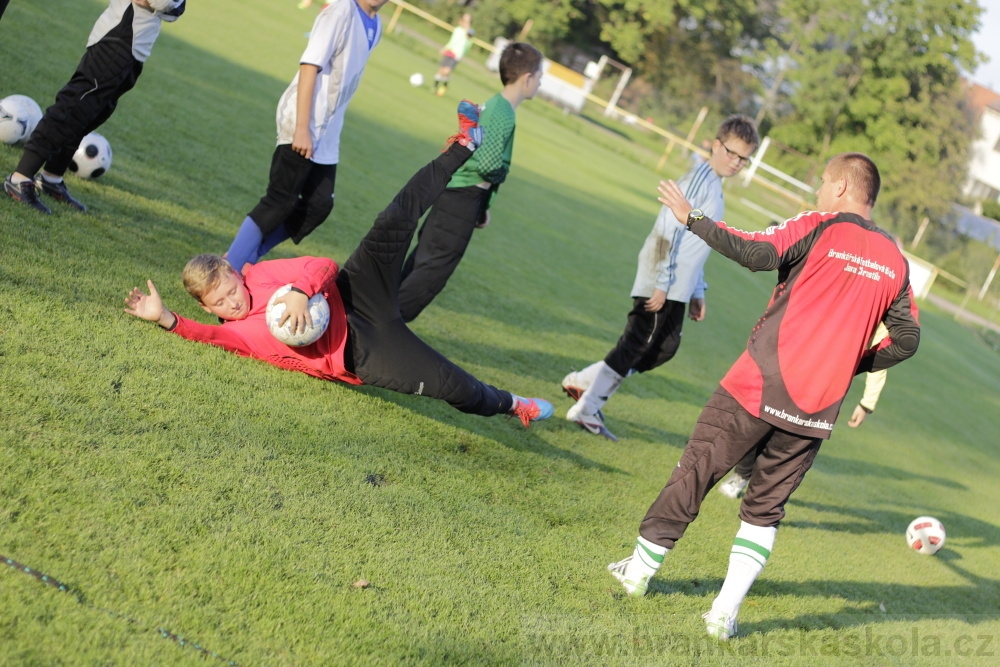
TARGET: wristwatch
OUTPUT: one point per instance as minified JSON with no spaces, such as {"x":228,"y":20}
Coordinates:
{"x":694,"y":215}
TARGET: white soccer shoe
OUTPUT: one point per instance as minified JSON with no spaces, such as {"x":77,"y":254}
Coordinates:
{"x":574,"y":385}
{"x":619,"y":571}
{"x":719,"y":625}
{"x":592,"y":423}
{"x":734,"y":486}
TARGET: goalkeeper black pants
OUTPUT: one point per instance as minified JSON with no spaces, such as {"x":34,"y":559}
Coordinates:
{"x":381,"y":350}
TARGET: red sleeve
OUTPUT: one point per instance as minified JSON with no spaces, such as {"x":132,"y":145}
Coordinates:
{"x":766,"y":250}
{"x":309,"y":274}
{"x":217,"y":335}
{"x":317,"y":275}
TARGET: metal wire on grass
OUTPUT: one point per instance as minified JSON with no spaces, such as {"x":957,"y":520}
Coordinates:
{"x":78,"y":596}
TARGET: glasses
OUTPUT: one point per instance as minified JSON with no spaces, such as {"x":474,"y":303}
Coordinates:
{"x":732,"y":155}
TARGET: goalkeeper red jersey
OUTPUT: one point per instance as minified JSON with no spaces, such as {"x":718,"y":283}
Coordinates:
{"x":250,"y":336}
{"x":838,"y":276}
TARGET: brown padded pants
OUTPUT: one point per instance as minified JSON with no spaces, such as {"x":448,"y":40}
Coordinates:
{"x":725,"y":432}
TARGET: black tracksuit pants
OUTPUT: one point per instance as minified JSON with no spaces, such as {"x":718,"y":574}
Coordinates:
{"x":105,"y":73}
{"x":441,"y":245}
{"x":649,"y":340}
{"x":381,"y":349}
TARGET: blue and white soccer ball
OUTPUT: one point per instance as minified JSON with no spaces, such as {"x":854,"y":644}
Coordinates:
{"x":925,"y":535}
{"x":93,"y":158}
{"x":319,"y":311}
{"x":19,"y":114}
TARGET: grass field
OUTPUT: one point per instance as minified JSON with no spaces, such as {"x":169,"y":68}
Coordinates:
{"x":174,"y":486}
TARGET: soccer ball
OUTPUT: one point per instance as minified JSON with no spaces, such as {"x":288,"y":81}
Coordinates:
{"x":416,"y":79}
{"x":19,"y":114}
{"x":925,"y":535}
{"x":319,"y":311}
{"x":92,"y":158}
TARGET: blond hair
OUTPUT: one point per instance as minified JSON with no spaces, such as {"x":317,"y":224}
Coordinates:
{"x":204,"y":272}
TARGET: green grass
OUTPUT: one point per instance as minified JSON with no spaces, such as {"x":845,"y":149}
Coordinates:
{"x":226,"y":501}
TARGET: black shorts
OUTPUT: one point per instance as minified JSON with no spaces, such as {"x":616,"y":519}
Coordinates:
{"x":299,"y":194}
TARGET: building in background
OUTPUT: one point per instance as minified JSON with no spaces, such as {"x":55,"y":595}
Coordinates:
{"x":983,"y":182}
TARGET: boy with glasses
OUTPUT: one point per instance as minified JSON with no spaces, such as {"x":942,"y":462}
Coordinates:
{"x":670,"y":276}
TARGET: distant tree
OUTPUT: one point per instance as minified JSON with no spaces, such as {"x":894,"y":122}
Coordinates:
{"x":688,"y":49}
{"x":882,"y":77}
{"x":991,"y":209}
{"x":550,"y":19}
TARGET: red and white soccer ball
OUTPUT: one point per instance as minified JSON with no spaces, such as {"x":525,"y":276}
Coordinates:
{"x":925,"y":535}
{"x":19,"y":114}
{"x":319,"y":311}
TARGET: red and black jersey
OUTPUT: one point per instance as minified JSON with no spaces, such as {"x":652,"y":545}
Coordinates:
{"x":838,"y":276}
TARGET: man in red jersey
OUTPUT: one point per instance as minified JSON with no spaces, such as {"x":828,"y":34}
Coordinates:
{"x":839,"y":276}
{"x":366,"y":341}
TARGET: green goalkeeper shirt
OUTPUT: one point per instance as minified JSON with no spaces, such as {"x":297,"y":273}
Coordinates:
{"x":491,"y":161}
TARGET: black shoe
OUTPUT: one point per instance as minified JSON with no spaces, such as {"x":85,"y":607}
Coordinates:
{"x":58,"y":192}
{"x":25,"y":194}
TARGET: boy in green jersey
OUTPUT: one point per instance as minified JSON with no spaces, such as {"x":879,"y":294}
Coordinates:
{"x":464,"y":206}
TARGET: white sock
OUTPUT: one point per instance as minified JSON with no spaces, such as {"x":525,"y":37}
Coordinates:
{"x":51,"y":179}
{"x":646,"y":560}
{"x":17,"y":179}
{"x":606,"y":381}
{"x":750,"y":552}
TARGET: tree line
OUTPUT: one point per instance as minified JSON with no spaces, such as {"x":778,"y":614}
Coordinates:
{"x":878,"y":76}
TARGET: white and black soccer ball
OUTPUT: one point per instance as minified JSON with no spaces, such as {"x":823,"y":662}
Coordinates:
{"x":19,"y":114}
{"x":416,"y":79}
{"x":319,"y":311}
{"x":93,"y":158}
{"x":925,"y":535}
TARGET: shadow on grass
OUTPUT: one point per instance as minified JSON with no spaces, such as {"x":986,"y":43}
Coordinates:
{"x":973,"y":532}
{"x":839,"y":466}
{"x":606,"y":126}
{"x":525,"y":441}
{"x":975,"y":602}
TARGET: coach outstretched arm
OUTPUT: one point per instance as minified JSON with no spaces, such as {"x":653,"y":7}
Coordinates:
{"x":746,"y":249}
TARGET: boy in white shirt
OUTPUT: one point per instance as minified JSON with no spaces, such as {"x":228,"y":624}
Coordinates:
{"x":310,"y":117}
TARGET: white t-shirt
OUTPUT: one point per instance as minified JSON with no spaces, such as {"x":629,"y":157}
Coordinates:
{"x":143,"y":28}
{"x":338,"y":45}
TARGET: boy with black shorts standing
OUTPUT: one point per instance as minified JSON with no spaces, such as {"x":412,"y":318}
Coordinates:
{"x":670,"y":278}
{"x":119,"y":44}
{"x":310,"y":117}
{"x":366,"y":341}
{"x":464,"y":206}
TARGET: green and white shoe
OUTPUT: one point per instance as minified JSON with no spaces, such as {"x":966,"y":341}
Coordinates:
{"x":634,"y":585}
{"x":719,"y":625}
